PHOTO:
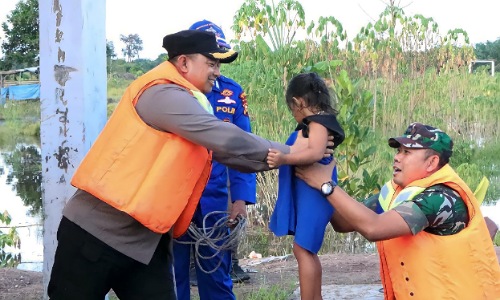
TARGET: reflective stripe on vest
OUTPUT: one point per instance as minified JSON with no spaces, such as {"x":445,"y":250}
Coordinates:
{"x":202,"y":99}
{"x":387,"y":192}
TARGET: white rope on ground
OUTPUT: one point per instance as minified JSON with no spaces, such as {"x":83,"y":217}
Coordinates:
{"x":219,"y":237}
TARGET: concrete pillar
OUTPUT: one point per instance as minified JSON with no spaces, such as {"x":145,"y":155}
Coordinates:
{"x":73,"y":101}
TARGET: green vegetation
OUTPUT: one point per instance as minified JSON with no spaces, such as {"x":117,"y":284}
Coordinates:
{"x":21,"y":117}
{"x":9,"y":239}
{"x":21,"y":45}
{"x":489,"y":51}
{"x":270,"y":292}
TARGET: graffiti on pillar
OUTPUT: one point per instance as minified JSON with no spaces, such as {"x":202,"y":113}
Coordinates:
{"x":60,"y":96}
{"x":58,"y":10}
{"x":61,"y":55}
{"x":61,"y":76}
{"x":62,"y":156}
{"x":59,"y":35}
{"x":63,"y":118}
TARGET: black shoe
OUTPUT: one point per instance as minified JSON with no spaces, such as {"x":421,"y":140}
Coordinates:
{"x":238,"y":275}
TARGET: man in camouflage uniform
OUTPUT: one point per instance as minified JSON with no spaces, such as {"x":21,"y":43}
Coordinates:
{"x":425,"y":220}
{"x":438,"y":209}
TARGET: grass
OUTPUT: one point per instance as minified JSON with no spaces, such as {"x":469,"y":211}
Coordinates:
{"x":269,"y":292}
{"x":116,"y":87}
{"x":21,"y":117}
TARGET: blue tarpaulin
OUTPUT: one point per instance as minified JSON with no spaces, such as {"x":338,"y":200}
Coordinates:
{"x":3,"y":93}
{"x":24,"y":92}
{"x":20,"y":92}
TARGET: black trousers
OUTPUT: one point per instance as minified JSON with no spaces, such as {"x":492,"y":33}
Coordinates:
{"x":86,"y":268}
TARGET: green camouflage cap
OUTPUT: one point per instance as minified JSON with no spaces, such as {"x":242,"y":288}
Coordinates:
{"x":420,"y":136}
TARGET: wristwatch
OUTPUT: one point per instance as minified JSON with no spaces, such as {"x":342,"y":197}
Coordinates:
{"x":327,"y":188}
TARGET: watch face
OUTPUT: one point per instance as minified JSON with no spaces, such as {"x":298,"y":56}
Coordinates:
{"x":326,"y":188}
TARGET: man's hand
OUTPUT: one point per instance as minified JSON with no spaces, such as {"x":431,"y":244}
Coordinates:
{"x":329,"y":144}
{"x":275,"y":158}
{"x":316,"y":174}
{"x":238,"y":210}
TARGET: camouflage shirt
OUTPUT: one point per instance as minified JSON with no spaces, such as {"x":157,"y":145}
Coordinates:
{"x":438,"y":210}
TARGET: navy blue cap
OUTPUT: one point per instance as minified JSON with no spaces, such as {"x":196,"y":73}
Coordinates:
{"x":206,"y":25}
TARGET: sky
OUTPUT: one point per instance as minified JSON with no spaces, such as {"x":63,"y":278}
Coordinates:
{"x":153,"y":19}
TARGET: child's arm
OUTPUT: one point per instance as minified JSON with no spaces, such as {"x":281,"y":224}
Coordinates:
{"x":317,"y":142}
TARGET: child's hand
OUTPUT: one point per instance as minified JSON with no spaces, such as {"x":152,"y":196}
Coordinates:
{"x":275,"y":158}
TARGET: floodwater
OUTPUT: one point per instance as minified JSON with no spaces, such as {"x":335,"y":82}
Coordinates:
{"x":23,"y":216}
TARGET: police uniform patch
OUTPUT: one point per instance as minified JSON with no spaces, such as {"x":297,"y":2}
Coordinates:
{"x":225,"y":109}
{"x":243,"y":97}
{"x":227,"y":93}
{"x":226,"y":100}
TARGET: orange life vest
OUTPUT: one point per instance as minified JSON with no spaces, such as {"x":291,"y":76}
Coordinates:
{"x":428,"y":266}
{"x":154,"y":176}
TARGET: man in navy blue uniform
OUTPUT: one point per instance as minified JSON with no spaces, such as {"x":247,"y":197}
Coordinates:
{"x":230,"y":105}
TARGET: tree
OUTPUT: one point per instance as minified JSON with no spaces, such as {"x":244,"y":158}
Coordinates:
{"x":110,"y":55}
{"x":133,"y":45}
{"x":110,"y":50}
{"x":279,"y":22}
{"x":489,"y":51}
{"x":21,"y":43}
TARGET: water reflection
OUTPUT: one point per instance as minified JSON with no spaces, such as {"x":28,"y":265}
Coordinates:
{"x":25,"y":175}
{"x":20,"y":187}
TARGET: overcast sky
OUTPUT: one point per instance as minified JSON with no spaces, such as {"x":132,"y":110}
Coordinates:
{"x":153,"y":19}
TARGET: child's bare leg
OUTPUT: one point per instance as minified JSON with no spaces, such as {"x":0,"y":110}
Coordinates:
{"x":309,"y":273}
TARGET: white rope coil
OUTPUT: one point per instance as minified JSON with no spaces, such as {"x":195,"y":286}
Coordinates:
{"x":219,"y":237}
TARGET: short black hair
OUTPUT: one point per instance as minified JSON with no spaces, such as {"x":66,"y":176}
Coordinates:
{"x":312,"y":88}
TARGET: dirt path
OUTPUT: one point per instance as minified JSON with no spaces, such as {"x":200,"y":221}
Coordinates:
{"x":337,"y":269}
{"x":341,"y":269}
